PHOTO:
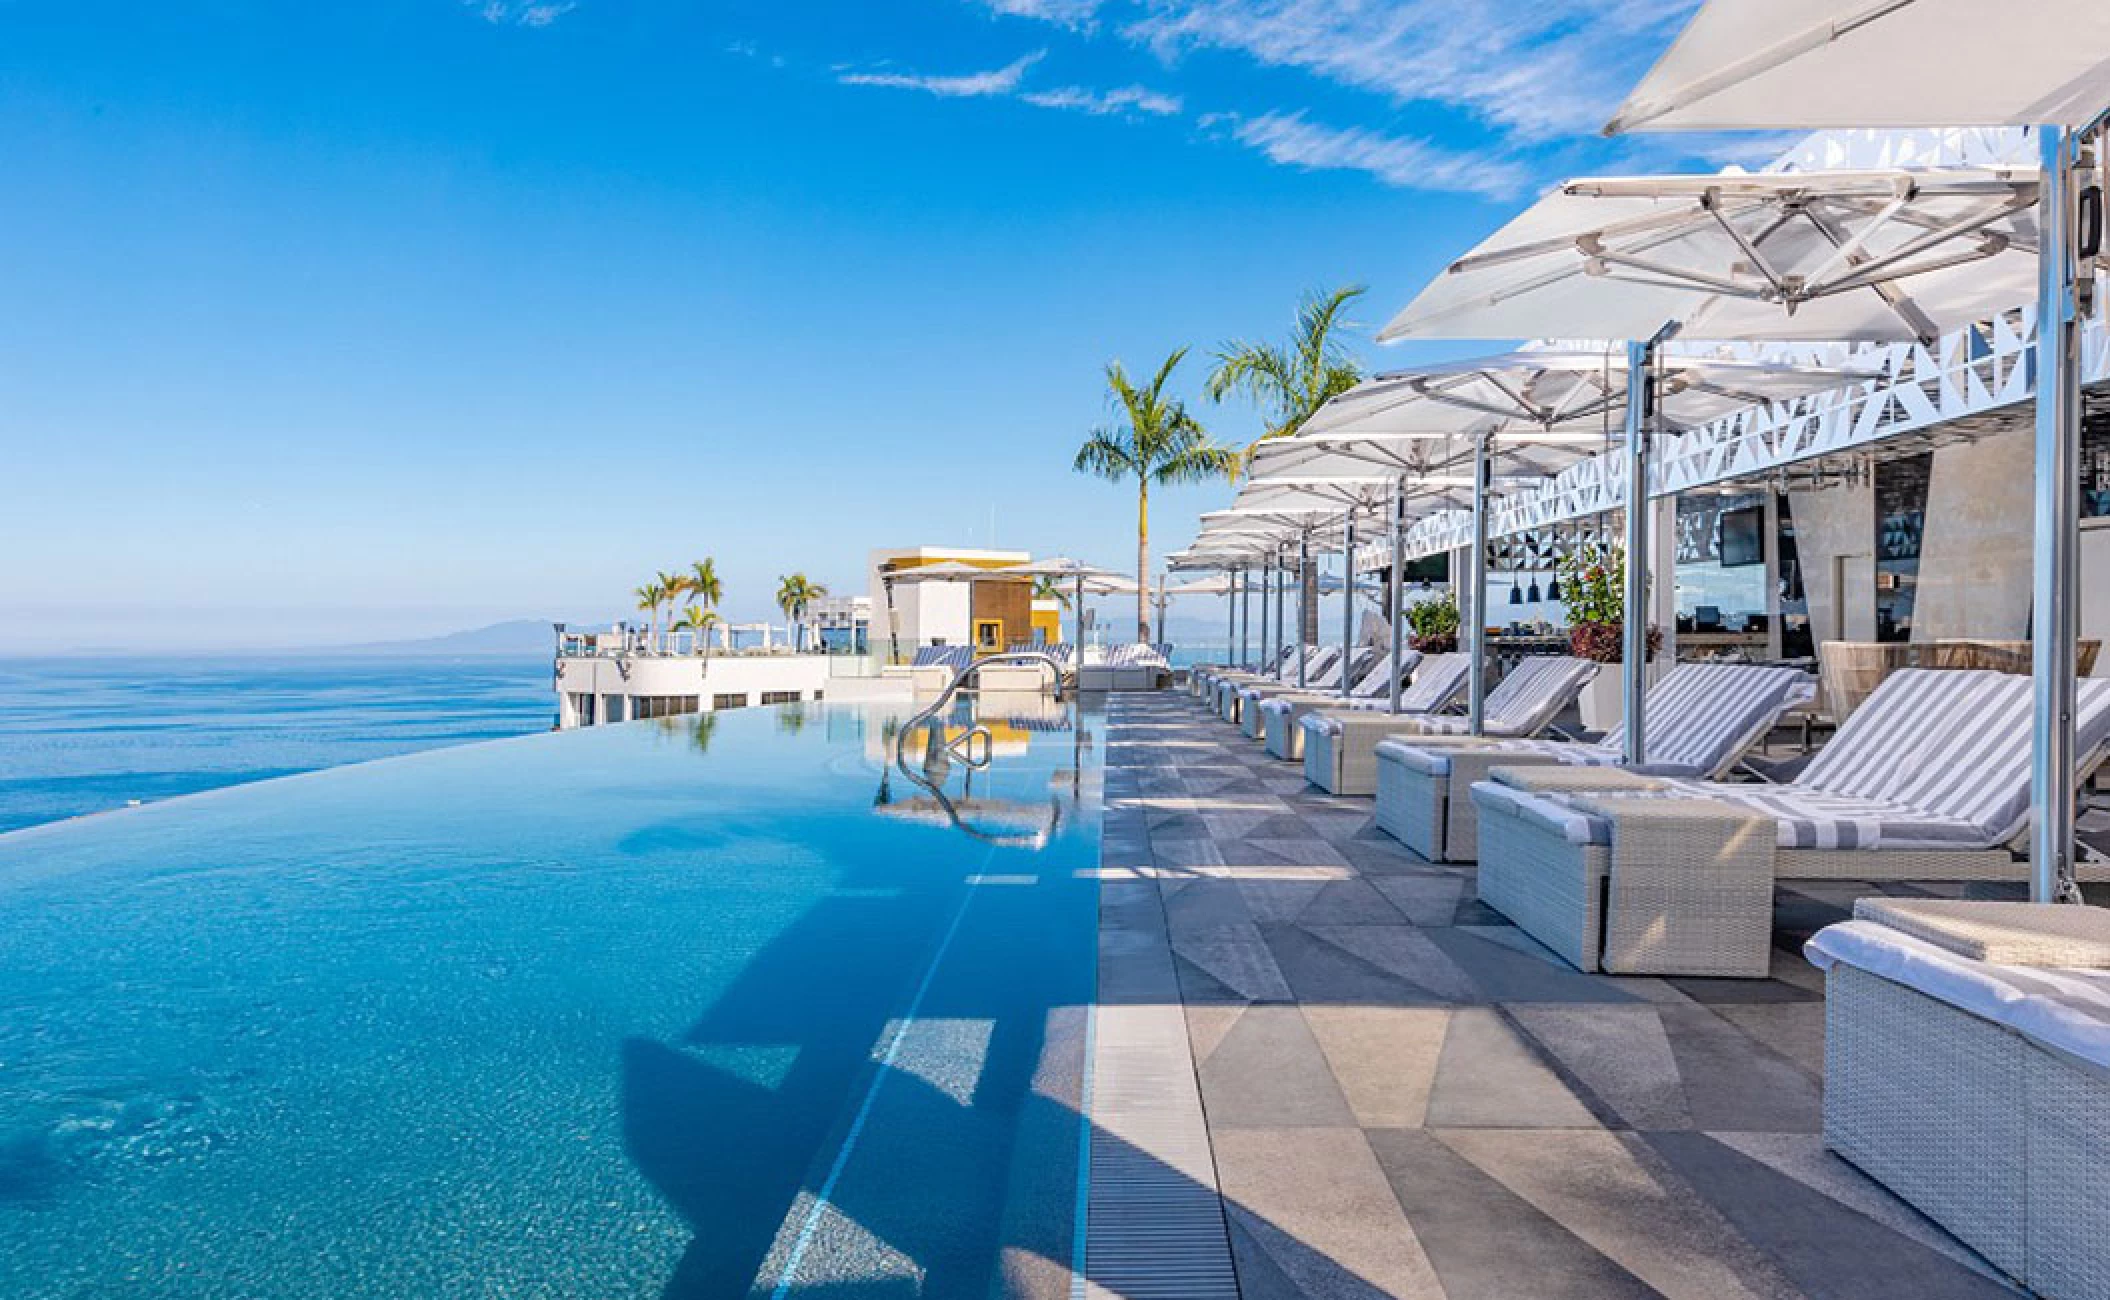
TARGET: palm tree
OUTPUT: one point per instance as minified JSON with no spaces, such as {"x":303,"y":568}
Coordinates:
{"x":795,"y":594}
{"x":1290,"y":382}
{"x":702,"y":582}
{"x":700,"y":622}
{"x":1049,"y":587}
{"x":1161,"y":443}
{"x":649,"y":598}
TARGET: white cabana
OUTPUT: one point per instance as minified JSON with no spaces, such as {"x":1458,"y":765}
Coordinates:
{"x":1813,"y":64}
{"x":1824,"y":255}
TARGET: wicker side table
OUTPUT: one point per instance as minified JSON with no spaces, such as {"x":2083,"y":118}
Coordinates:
{"x":1689,"y":889}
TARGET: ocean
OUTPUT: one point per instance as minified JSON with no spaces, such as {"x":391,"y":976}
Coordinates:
{"x":85,"y":735}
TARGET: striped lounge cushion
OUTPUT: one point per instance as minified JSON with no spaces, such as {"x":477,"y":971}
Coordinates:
{"x":1700,"y":718}
{"x":1953,"y":742}
{"x":1529,"y":698}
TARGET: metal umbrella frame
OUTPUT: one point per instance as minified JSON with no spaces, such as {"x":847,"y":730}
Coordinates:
{"x":1823,"y":255}
{"x":1864,"y":63}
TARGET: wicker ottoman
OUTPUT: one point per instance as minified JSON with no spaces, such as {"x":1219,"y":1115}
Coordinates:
{"x":1959,"y":1106}
{"x":1680,"y":887}
{"x":1424,"y":790}
{"x":1340,"y":747}
{"x":1282,"y":723}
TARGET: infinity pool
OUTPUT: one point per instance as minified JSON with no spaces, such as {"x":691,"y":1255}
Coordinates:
{"x":713,"y":1006}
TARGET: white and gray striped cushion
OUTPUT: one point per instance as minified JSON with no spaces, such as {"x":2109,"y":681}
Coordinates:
{"x":1952,"y":742}
{"x":954,"y":657}
{"x":1700,"y":717}
{"x":1134,"y":654}
{"x":1437,"y":680}
{"x":1529,"y":698}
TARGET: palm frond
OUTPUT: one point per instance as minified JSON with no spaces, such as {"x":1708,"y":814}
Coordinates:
{"x":1105,"y":454}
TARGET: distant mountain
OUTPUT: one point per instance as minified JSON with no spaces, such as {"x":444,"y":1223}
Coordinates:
{"x":514,"y":638}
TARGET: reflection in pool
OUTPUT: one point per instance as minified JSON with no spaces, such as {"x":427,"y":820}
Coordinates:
{"x":675,"y":1008}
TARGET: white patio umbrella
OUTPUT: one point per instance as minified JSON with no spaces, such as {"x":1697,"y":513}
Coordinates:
{"x":1813,"y":64}
{"x":1530,"y":412}
{"x":1840,"y":256}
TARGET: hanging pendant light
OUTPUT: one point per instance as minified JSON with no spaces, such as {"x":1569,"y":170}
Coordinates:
{"x":1553,"y":587}
{"x":1533,"y":594}
{"x":1516,"y":596}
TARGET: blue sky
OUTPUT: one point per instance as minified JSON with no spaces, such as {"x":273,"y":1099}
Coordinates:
{"x":407,"y":315}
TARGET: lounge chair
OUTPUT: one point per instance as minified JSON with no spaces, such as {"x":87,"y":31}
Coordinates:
{"x":1206,"y":681}
{"x":1700,"y":719}
{"x":1929,"y":780}
{"x":933,"y":667}
{"x":1319,"y":663}
{"x":1967,"y":1068}
{"x":1202,"y":677}
{"x":1352,"y":669}
{"x":1131,"y":666}
{"x":1278,"y":717}
{"x":1340,"y":745}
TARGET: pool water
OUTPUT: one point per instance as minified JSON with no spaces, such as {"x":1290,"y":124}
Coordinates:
{"x":712,"y":1006}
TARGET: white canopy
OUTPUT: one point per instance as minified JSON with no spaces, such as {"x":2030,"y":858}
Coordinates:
{"x":1882,"y":255}
{"x":1810,"y":64}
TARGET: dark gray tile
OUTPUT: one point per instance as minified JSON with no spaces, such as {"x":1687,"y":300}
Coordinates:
{"x":1732,"y":1081}
{"x":1267,"y":1071}
{"x":1830,"y":1252}
{"x":1484,"y":1241}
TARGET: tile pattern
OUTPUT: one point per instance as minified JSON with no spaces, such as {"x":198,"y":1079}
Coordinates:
{"x":1407,"y":1096}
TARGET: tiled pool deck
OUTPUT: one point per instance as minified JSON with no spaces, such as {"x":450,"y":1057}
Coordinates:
{"x":1405,"y":1096}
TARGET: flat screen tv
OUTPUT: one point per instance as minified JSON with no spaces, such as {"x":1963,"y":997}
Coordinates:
{"x":1744,"y":537}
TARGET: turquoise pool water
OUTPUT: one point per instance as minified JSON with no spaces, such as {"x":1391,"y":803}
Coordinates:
{"x":709,"y":1007}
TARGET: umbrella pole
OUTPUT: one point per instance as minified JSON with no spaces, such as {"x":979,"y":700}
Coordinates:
{"x":1640,"y":404}
{"x":1267,"y":583}
{"x":2055,"y":624}
{"x":1077,"y":651}
{"x":1281,"y":601}
{"x":1396,"y":589}
{"x":1347,"y":599}
{"x":1245,"y":617}
{"x":1231,"y":617}
{"x":1303,"y":605}
{"x":1476,"y":585}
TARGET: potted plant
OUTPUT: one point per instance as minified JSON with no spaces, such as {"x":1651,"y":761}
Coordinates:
{"x":1432,"y":624}
{"x":1593,"y":592}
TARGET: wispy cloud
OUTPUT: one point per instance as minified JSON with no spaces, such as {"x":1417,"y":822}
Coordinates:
{"x":971,"y":85}
{"x":1100,"y":103}
{"x":1403,"y":162}
{"x":1526,"y":66}
{"x":514,"y":13}
{"x":1077,"y":15}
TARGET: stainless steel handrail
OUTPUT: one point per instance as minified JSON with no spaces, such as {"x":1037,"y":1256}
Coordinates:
{"x":963,"y":748}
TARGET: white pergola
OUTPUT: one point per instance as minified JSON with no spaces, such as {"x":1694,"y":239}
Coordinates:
{"x":1940,"y":63}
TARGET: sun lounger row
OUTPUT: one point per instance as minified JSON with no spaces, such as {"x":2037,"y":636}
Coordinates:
{"x":1614,"y":870}
{"x":1340,"y":745}
{"x":1700,"y":720}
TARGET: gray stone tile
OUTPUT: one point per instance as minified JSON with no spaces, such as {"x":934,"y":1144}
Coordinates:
{"x":1267,"y":1072}
{"x":1613,"y":1193}
{"x":1618,"y":1054}
{"x":1197,"y":907}
{"x":1802,"y":1157}
{"x":1504,"y":974}
{"x":1320,"y":1207}
{"x":1484,"y":1241}
{"x":1229,"y":966}
{"x":1323,"y":971}
{"x":1383,"y":1058}
{"x":1424,"y":899}
{"x":1175,"y":851}
{"x":1300,"y":850}
{"x":1490,"y":1077}
{"x":1793,"y":1029}
{"x":1829,"y":1252}
{"x":1350,"y":902}
{"x":1732,"y":1081}
{"x":1406,"y":952}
